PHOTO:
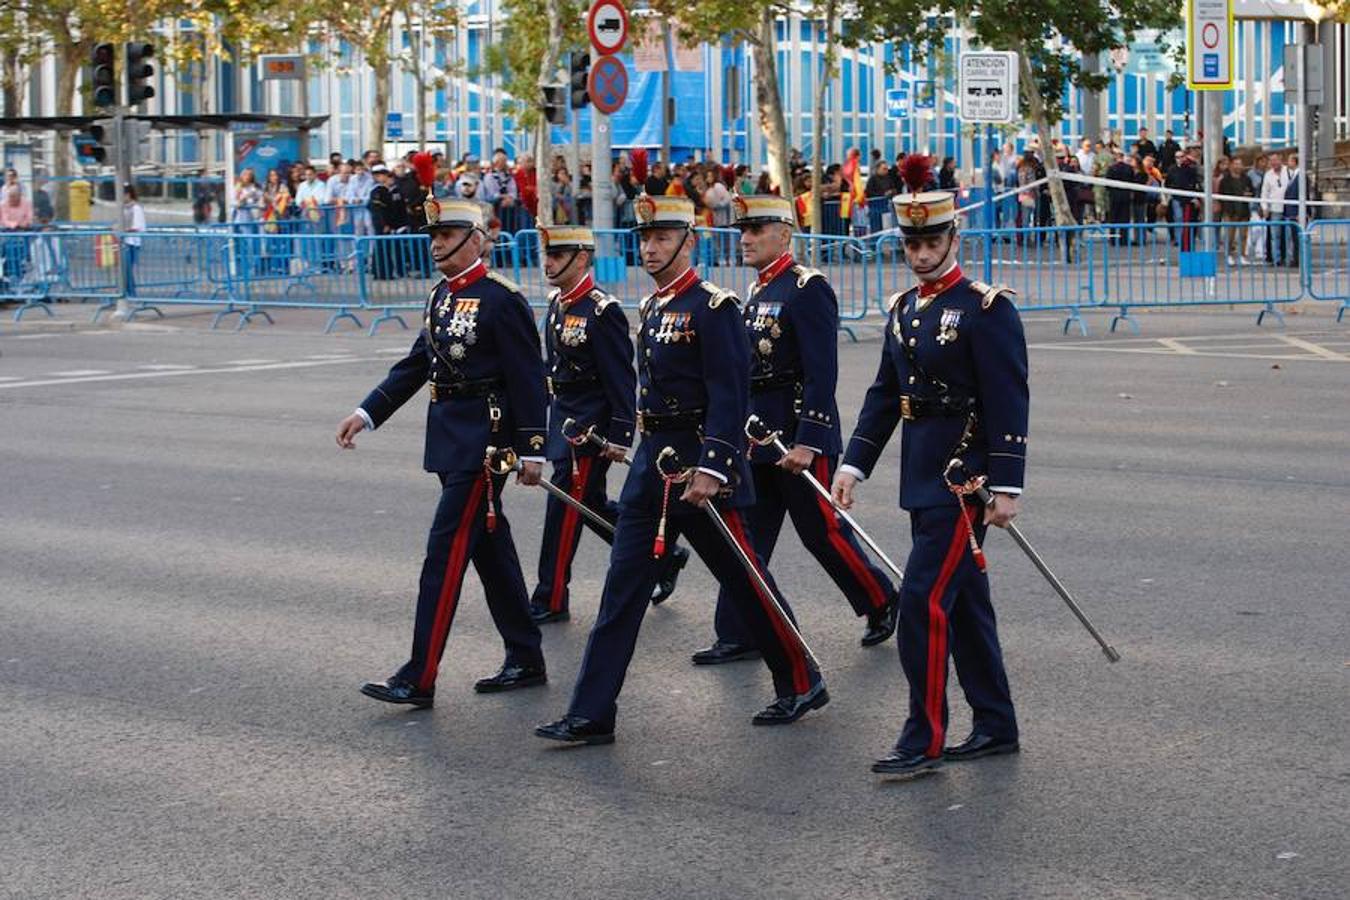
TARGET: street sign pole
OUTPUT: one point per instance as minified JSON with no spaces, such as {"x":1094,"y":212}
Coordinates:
{"x":602,"y":187}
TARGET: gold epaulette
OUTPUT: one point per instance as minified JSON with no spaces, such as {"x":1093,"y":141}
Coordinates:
{"x":989,"y":293}
{"x":602,"y":300}
{"x":504,"y":281}
{"x":717,"y":295}
{"x":805,"y":274}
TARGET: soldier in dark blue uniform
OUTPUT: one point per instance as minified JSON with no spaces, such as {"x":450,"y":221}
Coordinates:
{"x":694,"y":372}
{"x":954,"y":370}
{"x":479,"y":351}
{"x":791,"y":317}
{"x":589,"y":360}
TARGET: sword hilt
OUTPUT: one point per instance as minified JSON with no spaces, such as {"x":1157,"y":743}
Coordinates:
{"x":759,"y":433}
{"x":668,"y":464}
{"x":500,"y":461}
{"x":587,"y":435}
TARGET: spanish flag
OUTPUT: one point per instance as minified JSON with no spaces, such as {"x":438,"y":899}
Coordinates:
{"x":853,"y":192}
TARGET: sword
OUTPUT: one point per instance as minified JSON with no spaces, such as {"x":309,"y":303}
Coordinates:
{"x":591,"y":436}
{"x":987,"y":499}
{"x":505,"y":461}
{"x":759,"y":433}
{"x":668,"y":454}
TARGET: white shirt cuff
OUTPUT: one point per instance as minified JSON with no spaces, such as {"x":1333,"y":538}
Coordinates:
{"x":846,"y":469}
{"x":365,"y":417}
{"x":1012,"y":491}
{"x":714,"y":473}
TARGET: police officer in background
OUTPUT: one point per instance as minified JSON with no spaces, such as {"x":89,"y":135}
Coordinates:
{"x":589,"y":360}
{"x":479,"y":351}
{"x":694,"y":368}
{"x":791,"y":318}
{"x":954,"y":369}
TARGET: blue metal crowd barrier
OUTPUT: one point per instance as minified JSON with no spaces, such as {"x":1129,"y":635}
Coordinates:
{"x":39,"y":266}
{"x":1327,"y":262}
{"x":247,"y":269}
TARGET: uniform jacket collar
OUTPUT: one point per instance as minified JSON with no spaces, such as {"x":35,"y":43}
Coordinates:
{"x":579,"y":290}
{"x":774,"y":269}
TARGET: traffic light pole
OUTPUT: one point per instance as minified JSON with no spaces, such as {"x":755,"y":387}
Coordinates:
{"x":121,"y":177}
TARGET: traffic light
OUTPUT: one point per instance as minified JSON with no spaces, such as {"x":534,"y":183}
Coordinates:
{"x":104,"y":81}
{"x":580,"y":75}
{"x":555,"y":104}
{"x":139,"y":72}
{"x":89,"y":147}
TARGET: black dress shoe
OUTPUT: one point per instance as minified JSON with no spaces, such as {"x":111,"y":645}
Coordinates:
{"x":786,"y":710}
{"x":978,"y":745}
{"x":906,"y":764}
{"x":666,"y":585}
{"x":575,"y":730}
{"x":881,"y":623}
{"x":724,"y":652}
{"x":542,"y":615}
{"x":510,"y":678}
{"x":396,"y":690}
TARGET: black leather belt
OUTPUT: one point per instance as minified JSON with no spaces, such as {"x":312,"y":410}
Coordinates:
{"x":680,"y":421}
{"x":571,"y":385}
{"x":765,"y":383}
{"x":474,"y":387}
{"x":946,"y":406}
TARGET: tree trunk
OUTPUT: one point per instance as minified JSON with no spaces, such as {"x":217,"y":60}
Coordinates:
{"x":1059,"y":200}
{"x":11,"y":80}
{"x":823,"y":82}
{"x":772,"y":123}
{"x":543,"y":139}
{"x":380,"y":111}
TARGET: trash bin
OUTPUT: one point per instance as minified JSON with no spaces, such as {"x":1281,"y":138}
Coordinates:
{"x":81,"y":200}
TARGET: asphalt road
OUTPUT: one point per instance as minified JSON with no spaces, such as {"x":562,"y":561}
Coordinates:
{"x":195,"y":580}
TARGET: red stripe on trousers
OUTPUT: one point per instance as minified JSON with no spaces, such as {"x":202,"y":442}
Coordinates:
{"x":450,"y":584}
{"x":856,"y":564}
{"x":571,"y":521}
{"x":937,"y":638}
{"x":801,"y":681}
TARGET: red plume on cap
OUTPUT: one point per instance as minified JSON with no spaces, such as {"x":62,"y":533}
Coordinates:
{"x":639,"y":159}
{"x":424,"y":164}
{"x":916,"y":171}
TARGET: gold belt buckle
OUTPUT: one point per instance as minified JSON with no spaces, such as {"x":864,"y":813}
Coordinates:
{"x":434,"y":396}
{"x":641,"y":423}
{"x":906,"y":409}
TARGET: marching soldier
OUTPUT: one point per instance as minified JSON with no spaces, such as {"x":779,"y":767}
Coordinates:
{"x":589,"y":360}
{"x":791,"y":317}
{"x":479,"y":351}
{"x":954,"y":370}
{"x":694,"y":367}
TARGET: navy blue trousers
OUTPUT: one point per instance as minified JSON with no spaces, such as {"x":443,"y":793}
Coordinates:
{"x":563,"y":524}
{"x":459,"y":535}
{"x":778,"y":494}
{"x":945,"y":611}
{"x":627,"y":594}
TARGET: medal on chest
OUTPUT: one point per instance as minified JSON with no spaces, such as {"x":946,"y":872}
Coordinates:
{"x":674,"y":327}
{"x":766,"y":318}
{"x":947,"y":326}
{"x":572,"y":332}
{"x":462,"y":321}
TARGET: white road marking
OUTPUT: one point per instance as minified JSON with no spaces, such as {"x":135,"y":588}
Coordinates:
{"x":343,"y":355}
{"x":392,"y":351}
{"x":11,"y":378}
{"x":79,"y":373}
{"x":1312,"y":348}
{"x":248,"y":362}
{"x":1176,"y":345}
{"x":137,"y":376}
{"x":166,"y":367}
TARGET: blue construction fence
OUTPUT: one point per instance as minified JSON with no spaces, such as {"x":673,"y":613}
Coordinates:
{"x":369,"y":281}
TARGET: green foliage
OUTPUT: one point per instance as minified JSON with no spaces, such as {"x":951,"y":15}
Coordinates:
{"x":516,"y":52}
{"x":1053,"y":34}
